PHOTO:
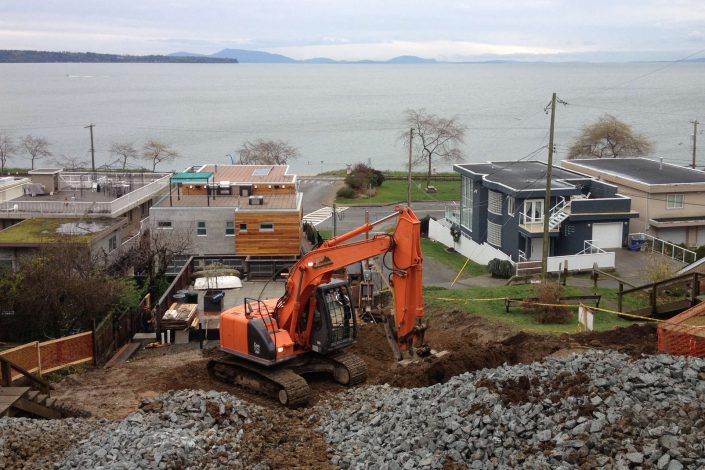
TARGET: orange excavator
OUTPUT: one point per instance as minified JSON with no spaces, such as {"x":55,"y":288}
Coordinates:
{"x":271,"y":344}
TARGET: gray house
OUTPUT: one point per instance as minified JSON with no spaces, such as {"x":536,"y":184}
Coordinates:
{"x":502,"y":205}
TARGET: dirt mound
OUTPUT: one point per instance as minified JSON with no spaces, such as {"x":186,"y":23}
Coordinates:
{"x":474,"y":344}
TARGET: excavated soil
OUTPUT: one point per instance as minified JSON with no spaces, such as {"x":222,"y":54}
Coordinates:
{"x":283,"y":436}
{"x":473,"y":345}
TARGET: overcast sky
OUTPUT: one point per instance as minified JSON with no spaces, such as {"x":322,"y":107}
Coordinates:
{"x":364,"y":29}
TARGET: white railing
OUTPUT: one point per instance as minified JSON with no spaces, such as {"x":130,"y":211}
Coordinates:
{"x":671,"y":250}
{"x":589,"y":247}
{"x":80,"y":208}
{"x":521,"y":256}
{"x":138,"y":196}
{"x":453,"y":213}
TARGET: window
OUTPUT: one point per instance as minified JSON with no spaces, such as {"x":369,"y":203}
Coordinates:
{"x":243,"y":227}
{"x":229,"y":229}
{"x":494,"y":202}
{"x":163,"y":224}
{"x":201,"y":230}
{"x":533,"y":211}
{"x":674,"y":201}
{"x":511,"y":205}
{"x":466,"y":201}
{"x":112,"y":243}
{"x":494,"y":234}
{"x":261,"y":171}
{"x":266,"y":227}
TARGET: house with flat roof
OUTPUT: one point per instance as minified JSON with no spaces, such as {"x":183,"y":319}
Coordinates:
{"x":670,"y":199}
{"x":55,"y":193}
{"x":233,"y":209}
{"x":100,"y":236}
{"x":501,"y":212}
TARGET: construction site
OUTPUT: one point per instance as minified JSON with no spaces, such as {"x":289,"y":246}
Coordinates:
{"x":297,"y":373}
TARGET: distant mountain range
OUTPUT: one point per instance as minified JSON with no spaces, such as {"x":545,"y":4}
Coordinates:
{"x":14,"y":56}
{"x":258,"y":57}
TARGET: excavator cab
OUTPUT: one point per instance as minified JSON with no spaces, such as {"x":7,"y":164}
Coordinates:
{"x":334,"y":323}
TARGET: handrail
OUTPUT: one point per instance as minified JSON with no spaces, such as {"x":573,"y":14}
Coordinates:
{"x":259,"y":310}
{"x":657,"y":284}
{"x":589,"y":245}
{"x":664,"y":243}
{"x":6,"y":367}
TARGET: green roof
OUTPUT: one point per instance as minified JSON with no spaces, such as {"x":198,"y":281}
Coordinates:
{"x":191,"y":177}
{"x":35,"y":231}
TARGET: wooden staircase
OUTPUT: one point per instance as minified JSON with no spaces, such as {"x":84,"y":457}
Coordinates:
{"x":31,"y":401}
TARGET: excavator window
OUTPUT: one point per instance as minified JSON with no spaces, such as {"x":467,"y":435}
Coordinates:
{"x":337,"y":322}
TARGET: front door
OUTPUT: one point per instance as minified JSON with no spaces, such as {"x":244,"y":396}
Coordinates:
{"x":536,"y":249}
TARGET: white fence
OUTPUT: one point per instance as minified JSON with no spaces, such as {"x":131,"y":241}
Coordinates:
{"x":80,"y":208}
{"x":439,"y":230}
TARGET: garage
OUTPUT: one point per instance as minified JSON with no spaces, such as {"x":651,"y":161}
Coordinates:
{"x":607,"y":235}
{"x":673,"y":235}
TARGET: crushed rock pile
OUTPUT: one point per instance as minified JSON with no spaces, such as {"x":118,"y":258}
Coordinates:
{"x":179,"y":429}
{"x":591,"y":410}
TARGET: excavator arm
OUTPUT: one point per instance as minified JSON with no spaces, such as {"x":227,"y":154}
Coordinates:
{"x":317,"y":267}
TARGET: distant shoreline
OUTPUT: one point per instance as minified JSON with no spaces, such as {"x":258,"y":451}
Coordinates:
{"x":48,"y":57}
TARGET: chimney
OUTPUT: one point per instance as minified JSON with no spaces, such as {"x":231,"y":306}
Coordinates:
{"x":660,"y":165}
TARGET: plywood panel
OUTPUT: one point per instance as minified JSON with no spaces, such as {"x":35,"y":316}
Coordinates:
{"x":285,"y":239}
{"x":273,"y":189}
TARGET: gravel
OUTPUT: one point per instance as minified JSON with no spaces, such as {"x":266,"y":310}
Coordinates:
{"x":595,"y":409}
{"x":179,"y":429}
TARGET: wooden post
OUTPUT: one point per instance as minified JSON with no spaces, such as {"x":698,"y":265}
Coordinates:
{"x":619,"y":296}
{"x":39,"y":359}
{"x":565,"y":272}
{"x":95,"y":350}
{"x":6,"y":373}
{"x":652,"y":299}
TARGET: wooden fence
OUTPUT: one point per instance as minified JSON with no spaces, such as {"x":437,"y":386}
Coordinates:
{"x":116,"y":330}
{"x":48,"y":356}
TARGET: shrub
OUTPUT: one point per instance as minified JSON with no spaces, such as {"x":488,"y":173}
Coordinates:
{"x":362,"y":176}
{"x":345,"y":192}
{"x":548,"y":292}
{"x":500,"y":268}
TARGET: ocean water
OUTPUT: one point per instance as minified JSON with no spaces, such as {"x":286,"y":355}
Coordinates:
{"x":338,"y":114}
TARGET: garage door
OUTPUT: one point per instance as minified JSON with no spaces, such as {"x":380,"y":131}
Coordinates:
{"x":607,"y":235}
{"x":673,"y":235}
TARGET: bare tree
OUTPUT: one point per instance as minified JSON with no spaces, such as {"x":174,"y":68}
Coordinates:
{"x":124,"y":151}
{"x":7,"y":150}
{"x":35,"y":147}
{"x":609,"y":137}
{"x":70,"y":163}
{"x":434,"y":138}
{"x":158,"y":152}
{"x":267,"y":152}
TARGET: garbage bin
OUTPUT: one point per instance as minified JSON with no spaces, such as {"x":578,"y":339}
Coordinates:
{"x":213,"y":301}
{"x":191,"y":297}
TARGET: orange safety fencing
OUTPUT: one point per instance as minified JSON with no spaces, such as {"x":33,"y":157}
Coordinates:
{"x":52,"y":355}
{"x":684,"y":334}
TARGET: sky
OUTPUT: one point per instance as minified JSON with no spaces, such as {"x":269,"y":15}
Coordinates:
{"x":449,"y":30}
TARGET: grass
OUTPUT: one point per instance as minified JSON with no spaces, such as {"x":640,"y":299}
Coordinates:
{"x":45,"y":231}
{"x":414,"y":174}
{"x":454,"y":261}
{"x":393,"y":191}
{"x":441,"y":300}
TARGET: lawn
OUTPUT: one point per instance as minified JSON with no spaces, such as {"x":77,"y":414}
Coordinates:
{"x":441,"y":300}
{"x":455,"y":261}
{"x":393,"y":191}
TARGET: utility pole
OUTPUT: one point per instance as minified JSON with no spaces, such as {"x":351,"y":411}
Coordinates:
{"x":90,"y":126}
{"x":695,"y":139}
{"x":335,"y":221}
{"x":547,"y":200}
{"x":408,"y":183}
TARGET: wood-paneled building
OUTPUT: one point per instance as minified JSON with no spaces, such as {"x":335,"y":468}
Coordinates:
{"x":233,"y":209}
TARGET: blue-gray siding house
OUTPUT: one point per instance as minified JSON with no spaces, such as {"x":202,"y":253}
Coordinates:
{"x":502,"y":204}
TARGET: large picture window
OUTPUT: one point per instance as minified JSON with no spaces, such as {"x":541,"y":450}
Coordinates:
{"x":466,"y":200}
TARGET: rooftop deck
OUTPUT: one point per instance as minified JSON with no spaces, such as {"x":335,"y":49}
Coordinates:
{"x":269,"y":201}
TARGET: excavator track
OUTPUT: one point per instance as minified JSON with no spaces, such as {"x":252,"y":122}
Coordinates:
{"x":283,"y":384}
{"x":350,"y":369}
